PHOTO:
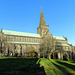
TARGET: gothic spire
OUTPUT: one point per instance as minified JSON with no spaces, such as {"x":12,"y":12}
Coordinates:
{"x":42,"y":20}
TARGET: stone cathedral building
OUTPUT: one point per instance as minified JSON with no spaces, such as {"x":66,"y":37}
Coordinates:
{"x":22,"y":41}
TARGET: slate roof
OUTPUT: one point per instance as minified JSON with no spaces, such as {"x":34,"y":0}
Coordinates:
{"x":58,"y":38}
{"x":20,"y":33}
{"x":62,"y":44}
{"x":28,"y":34}
{"x":23,"y":42}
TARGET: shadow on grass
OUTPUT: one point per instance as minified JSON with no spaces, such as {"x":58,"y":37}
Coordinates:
{"x":67,"y":65}
{"x":73,"y":61}
{"x":62,"y":69}
{"x":20,"y":66}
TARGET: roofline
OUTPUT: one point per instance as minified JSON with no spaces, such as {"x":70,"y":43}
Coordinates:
{"x":22,"y":33}
{"x":22,"y":42}
{"x":19,"y":31}
{"x":22,"y":36}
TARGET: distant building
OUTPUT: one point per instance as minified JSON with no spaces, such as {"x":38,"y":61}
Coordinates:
{"x":21,"y":41}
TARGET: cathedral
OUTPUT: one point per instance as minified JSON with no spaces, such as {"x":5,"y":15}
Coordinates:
{"x":20,"y":42}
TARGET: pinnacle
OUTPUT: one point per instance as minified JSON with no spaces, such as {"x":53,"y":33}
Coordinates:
{"x":41,"y":10}
{"x":42,"y":20}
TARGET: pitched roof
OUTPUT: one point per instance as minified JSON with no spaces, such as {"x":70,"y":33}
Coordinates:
{"x":20,"y":33}
{"x":23,"y":42}
{"x":7,"y":32}
{"x":58,"y":38}
{"x":62,"y":44}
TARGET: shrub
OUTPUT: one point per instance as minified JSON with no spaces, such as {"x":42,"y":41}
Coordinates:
{"x":32,"y":53}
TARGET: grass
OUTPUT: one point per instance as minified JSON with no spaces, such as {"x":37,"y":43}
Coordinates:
{"x":35,"y":66}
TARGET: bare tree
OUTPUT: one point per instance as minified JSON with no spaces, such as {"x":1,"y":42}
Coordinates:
{"x":47,"y":46}
{"x":2,"y":47}
{"x":9,"y":49}
{"x":42,"y":49}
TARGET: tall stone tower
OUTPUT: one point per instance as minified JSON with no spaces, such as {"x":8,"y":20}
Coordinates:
{"x":43,"y":28}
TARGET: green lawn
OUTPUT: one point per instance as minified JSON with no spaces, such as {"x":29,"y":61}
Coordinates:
{"x":33,"y":66}
{"x":58,"y":67}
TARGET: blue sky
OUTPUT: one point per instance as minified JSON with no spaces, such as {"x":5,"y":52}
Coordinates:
{"x":24,"y":16}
